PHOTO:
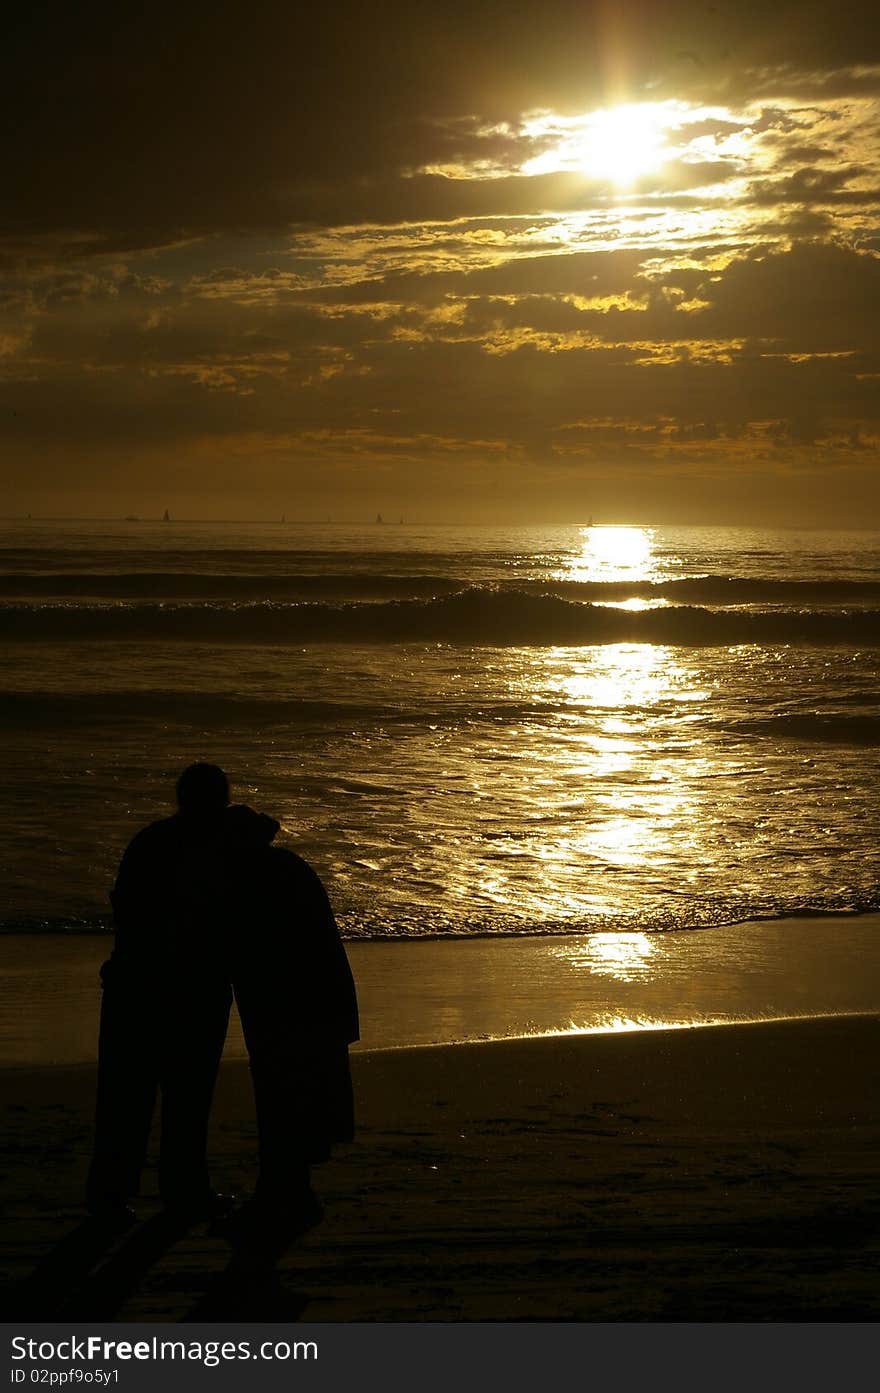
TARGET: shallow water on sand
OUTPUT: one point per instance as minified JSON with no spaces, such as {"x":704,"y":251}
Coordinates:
{"x":439,"y":991}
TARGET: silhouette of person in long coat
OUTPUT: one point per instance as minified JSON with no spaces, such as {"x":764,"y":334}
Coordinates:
{"x":165,"y":1007}
{"x":296,"y":999}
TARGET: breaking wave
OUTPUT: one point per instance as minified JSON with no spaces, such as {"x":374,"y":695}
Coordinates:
{"x":826,"y":728}
{"x":360,"y":583}
{"x":478,"y":616}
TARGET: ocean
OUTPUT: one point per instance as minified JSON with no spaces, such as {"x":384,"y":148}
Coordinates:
{"x":471,"y":732}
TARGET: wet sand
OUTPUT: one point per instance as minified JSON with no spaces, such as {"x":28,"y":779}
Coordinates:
{"x":431,"y":991}
{"x":722,"y":1173}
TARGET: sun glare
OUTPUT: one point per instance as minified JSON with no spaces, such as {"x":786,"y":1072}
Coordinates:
{"x":622,"y":143}
{"x":616,"y":144}
{"x":612,"y":554}
{"x":624,"y":956}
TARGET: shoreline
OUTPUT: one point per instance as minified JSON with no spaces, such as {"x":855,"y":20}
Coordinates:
{"x":102,"y":927}
{"x":422,"y":992}
{"x":78,"y":1068}
{"x":81,"y":1069}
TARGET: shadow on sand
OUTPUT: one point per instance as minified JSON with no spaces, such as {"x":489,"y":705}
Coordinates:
{"x":93,"y":1272}
{"x":238,"y":1294}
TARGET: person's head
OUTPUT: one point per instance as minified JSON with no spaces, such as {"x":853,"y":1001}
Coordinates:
{"x":202,"y":790}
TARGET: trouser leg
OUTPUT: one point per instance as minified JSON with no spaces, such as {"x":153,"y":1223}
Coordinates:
{"x":303,"y":1097}
{"x":126,"y":1095}
{"x":284,"y":1205}
{"x":284,"y":1158}
{"x":189,"y":1071}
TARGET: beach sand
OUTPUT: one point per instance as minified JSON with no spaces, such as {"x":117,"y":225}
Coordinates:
{"x":724,"y":1173}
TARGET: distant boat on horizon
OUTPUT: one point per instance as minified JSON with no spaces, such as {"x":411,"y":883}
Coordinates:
{"x":379,"y":517}
{"x":166,"y":516}
{"x":132,"y":517}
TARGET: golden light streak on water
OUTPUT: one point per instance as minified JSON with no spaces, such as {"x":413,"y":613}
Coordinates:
{"x":620,"y":675}
{"x":605,"y":797}
{"x":627,"y":957}
{"x":636,"y":603}
{"x":612,"y":553}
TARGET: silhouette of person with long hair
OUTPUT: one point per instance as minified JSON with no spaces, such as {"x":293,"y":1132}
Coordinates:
{"x":165,"y":1007}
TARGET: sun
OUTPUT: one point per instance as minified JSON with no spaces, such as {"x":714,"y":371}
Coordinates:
{"x":623,"y":142}
{"x":614,"y":144}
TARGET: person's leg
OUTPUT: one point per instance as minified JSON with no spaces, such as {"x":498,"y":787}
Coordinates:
{"x":287,"y":1096}
{"x":126,"y":1095}
{"x":284,"y":1205}
{"x":303,"y":1096}
{"x":284,"y":1175}
{"x":191,"y":1058}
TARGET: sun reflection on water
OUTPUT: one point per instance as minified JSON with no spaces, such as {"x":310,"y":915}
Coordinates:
{"x":613,"y":554}
{"x":606,"y":768}
{"x":619,"y":675}
{"x":615,"y":787}
{"x":636,"y":603}
{"x":627,"y":957}
{"x":609,"y":1024}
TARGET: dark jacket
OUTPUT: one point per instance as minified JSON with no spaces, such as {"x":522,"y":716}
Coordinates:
{"x":168,"y":904}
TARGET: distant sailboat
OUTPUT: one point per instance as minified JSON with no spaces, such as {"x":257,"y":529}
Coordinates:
{"x":166,"y":517}
{"x":379,"y":517}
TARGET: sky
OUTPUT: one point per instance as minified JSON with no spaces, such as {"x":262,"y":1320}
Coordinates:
{"x":450,"y":261}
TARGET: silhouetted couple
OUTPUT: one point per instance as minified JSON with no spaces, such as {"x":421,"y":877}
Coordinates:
{"x":205,"y":906}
